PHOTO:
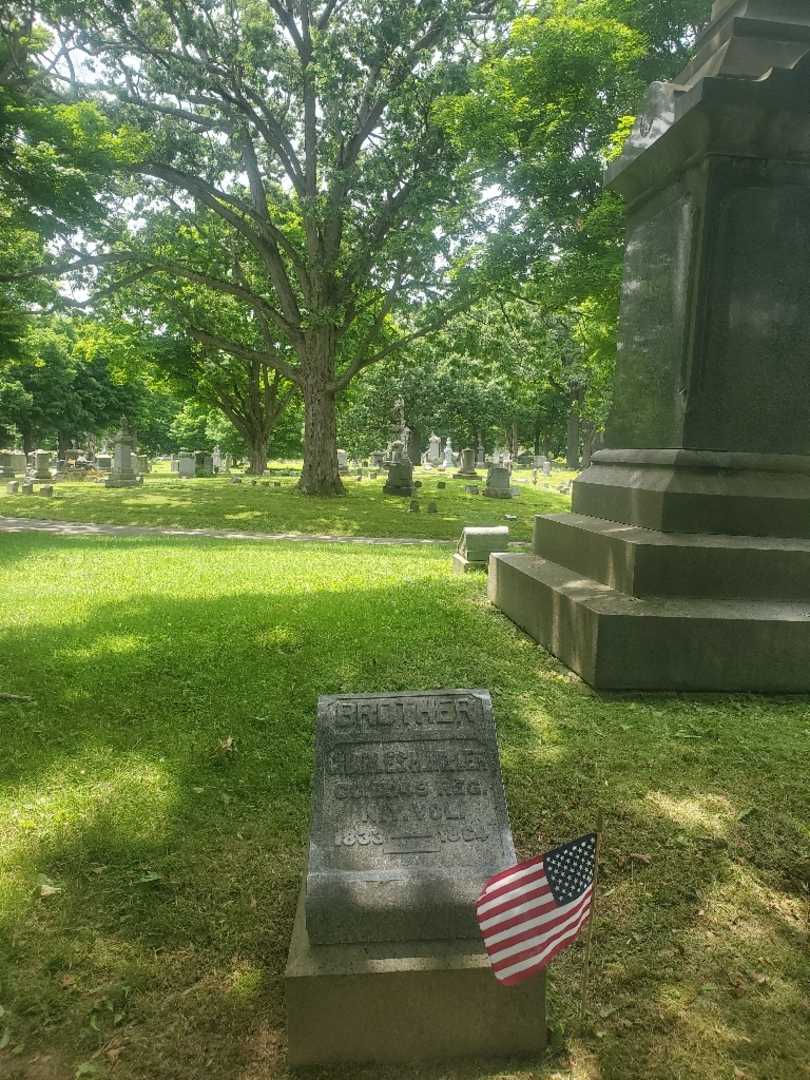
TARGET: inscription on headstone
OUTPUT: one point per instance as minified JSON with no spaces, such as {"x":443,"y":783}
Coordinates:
{"x":409,"y":816}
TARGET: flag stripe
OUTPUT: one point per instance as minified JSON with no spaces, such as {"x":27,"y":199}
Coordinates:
{"x":527,"y":926}
{"x":513,"y":872}
{"x":499,"y":903}
{"x":530,"y":939}
{"x":534,"y":873}
{"x":537,"y":966}
{"x":539,"y":960}
{"x":516,"y":914}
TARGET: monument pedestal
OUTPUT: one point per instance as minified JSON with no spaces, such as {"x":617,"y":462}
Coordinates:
{"x":404,"y":1001}
{"x":686,"y":562}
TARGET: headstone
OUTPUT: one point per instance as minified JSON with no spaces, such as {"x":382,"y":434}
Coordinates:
{"x":6,"y":463}
{"x":376,"y":458}
{"x":408,"y":821}
{"x":546,"y":468}
{"x":417,"y":483}
{"x":122,"y":473}
{"x":441,"y":485}
{"x":400,"y":473}
{"x":46,"y":490}
{"x":477,"y":544}
{"x":467,"y":465}
{"x":203,"y":463}
{"x":18,"y":462}
{"x":534,"y":477}
{"x":186,"y":466}
{"x":27,"y":487}
{"x":142,"y":465}
{"x":449,"y":458}
{"x":12,"y":487}
{"x":432,"y":507}
{"x":277,"y":484}
{"x":236,"y":479}
{"x":343,"y":461}
{"x":434,"y":450}
{"x":408,"y":816}
{"x":42,"y":465}
{"x":103,"y":462}
{"x":471,"y":489}
{"x":414,"y":507}
{"x":498,"y":486}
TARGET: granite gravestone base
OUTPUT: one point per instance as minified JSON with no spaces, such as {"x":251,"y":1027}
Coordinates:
{"x":409,"y":819}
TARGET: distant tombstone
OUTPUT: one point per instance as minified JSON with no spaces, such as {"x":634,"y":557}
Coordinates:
{"x":480,"y":461}
{"x":27,"y":487}
{"x":467,"y":465}
{"x":477,"y":544}
{"x":103,"y":462}
{"x":534,"y":476}
{"x":203,"y":463}
{"x":434,"y":451}
{"x":449,"y":457}
{"x":217,"y":459}
{"x":417,"y":483}
{"x":42,"y":465}
{"x":498,"y":486}
{"x":471,"y":489}
{"x":142,"y":465}
{"x":414,"y":507}
{"x":400,"y":472}
{"x":546,"y":468}
{"x":186,"y":465}
{"x":432,"y":507}
{"x":6,"y":463}
{"x":46,"y":490}
{"x":12,"y":487}
{"x":122,"y":473}
{"x":236,"y":479}
{"x":441,"y":485}
{"x":342,"y":461}
{"x":18,"y":462}
{"x":376,"y":458}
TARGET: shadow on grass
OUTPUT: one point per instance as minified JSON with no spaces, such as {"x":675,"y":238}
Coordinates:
{"x":174,"y":854}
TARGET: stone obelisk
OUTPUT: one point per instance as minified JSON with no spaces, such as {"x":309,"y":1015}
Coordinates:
{"x":686,"y":561}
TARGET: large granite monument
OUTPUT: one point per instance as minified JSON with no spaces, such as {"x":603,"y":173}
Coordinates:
{"x":408,"y":821}
{"x":686,"y":562}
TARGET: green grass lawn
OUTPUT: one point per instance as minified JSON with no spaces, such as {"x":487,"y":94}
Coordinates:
{"x":365,"y":510}
{"x":154,"y":812}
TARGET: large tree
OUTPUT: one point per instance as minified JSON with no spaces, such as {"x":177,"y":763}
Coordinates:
{"x":307,"y":127}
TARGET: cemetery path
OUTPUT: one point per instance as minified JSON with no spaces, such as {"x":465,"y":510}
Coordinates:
{"x":75,"y":528}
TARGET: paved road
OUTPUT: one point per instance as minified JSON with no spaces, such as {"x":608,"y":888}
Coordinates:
{"x":77,"y":528}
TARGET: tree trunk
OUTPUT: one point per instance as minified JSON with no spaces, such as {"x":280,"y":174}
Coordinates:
{"x":257,"y":453}
{"x":62,"y":445}
{"x":320,"y":475}
{"x":572,"y":449}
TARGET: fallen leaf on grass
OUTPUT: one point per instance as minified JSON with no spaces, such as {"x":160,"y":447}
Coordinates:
{"x":227,"y":746}
{"x":5,"y":1038}
{"x":640,"y":857}
{"x":46,"y":887}
{"x":149,"y":877}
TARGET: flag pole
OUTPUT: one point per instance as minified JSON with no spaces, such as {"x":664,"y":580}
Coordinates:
{"x":586,"y":971}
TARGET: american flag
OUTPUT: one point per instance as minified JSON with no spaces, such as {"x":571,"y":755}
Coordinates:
{"x":534,"y":910}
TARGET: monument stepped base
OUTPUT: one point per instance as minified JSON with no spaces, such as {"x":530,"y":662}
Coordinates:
{"x":617,"y":641}
{"x":404,"y":1002}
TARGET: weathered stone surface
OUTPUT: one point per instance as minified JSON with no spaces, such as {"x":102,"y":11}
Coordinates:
{"x":498,"y":482}
{"x":478,"y":542}
{"x":618,"y":642}
{"x":409,"y":1001}
{"x":708,"y":444}
{"x":12,"y":487}
{"x":408,"y":816}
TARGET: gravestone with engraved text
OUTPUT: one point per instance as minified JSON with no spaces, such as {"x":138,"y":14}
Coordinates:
{"x":409,"y":816}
